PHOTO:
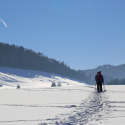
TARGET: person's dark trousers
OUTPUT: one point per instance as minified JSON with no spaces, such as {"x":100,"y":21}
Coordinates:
{"x":99,"y":86}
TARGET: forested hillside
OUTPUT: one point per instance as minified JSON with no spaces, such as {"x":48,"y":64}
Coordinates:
{"x":20,"y":57}
{"x":116,"y":82}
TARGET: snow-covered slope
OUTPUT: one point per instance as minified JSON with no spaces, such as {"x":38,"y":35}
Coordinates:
{"x":74,"y":103}
{"x":10,"y":78}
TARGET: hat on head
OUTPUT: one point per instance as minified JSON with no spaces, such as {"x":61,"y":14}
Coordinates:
{"x":99,"y":73}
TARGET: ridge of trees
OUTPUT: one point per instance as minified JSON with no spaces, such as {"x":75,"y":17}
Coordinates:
{"x":19,"y":57}
{"x":116,"y":82}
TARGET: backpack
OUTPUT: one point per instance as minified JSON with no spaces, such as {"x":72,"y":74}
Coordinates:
{"x":99,"y":78}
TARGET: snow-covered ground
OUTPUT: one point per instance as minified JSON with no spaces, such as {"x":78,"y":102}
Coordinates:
{"x":74,"y":103}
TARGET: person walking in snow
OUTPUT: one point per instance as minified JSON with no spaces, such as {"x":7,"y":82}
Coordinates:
{"x":99,"y":80}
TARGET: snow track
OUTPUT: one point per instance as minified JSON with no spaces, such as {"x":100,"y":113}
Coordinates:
{"x":93,"y":109}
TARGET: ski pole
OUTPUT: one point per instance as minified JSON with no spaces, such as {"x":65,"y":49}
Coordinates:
{"x":95,"y":85}
{"x":104,"y":86}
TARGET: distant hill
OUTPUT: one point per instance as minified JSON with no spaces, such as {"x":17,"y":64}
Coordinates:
{"x":111,"y":72}
{"x":19,"y":57}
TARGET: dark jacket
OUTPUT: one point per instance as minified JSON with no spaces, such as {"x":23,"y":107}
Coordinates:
{"x":99,"y":80}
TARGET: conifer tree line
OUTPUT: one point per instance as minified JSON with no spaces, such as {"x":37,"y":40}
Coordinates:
{"x":19,"y":57}
{"x":116,"y":82}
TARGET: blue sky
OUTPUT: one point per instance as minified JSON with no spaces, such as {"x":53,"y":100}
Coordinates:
{"x":82,"y":33}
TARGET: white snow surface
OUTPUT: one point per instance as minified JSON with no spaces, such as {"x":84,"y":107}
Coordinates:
{"x":74,"y":103}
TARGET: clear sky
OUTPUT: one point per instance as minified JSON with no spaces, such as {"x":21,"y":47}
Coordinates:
{"x":82,"y":33}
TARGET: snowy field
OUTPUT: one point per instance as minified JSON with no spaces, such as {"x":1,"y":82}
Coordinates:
{"x":74,"y":103}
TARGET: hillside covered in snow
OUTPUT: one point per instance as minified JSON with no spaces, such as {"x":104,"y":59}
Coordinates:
{"x":72,"y":103}
{"x":11,"y":77}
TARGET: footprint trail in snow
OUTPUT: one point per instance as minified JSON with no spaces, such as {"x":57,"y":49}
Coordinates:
{"x":90,"y":111}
